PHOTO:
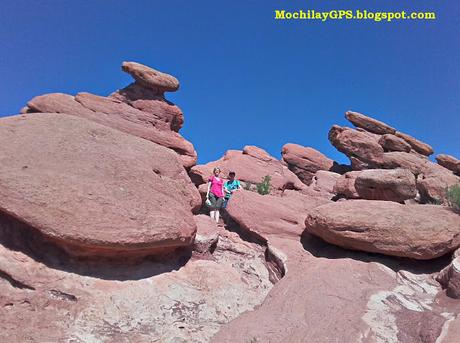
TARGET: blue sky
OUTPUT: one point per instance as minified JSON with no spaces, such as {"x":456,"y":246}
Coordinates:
{"x":246,"y":78}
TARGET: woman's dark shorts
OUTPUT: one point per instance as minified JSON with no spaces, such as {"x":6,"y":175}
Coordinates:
{"x":216,"y":202}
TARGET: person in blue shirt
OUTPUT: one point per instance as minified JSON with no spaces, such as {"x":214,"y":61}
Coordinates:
{"x":230,"y":186}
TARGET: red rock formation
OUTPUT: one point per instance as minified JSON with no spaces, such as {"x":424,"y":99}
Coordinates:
{"x":417,"y":231}
{"x":449,"y":162}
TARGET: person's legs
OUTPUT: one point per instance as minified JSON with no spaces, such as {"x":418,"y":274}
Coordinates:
{"x":217,"y":215}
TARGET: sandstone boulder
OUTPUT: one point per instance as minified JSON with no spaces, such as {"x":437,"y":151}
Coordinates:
{"x":449,"y":162}
{"x":391,"y":185}
{"x":324,"y":181}
{"x":305,"y":161}
{"x":118,"y":115}
{"x":207,"y":234}
{"x":345,"y":185}
{"x":94,"y":190}
{"x":357,"y":144}
{"x":416,"y":231}
{"x":418,"y":146}
{"x":449,"y":278}
{"x":151,"y":78}
{"x":250,"y":165}
{"x":393,"y":143}
{"x":265,"y":215}
{"x":432,"y":179}
{"x":368,"y":123}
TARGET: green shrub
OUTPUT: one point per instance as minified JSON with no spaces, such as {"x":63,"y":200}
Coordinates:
{"x":453,"y":197}
{"x":264,"y":187}
{"x":247,"y":185}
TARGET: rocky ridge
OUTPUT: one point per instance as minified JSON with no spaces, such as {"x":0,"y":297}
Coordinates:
{"x":104,"y":237}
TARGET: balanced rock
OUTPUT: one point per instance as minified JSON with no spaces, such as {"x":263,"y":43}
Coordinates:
{"x":250,"y":165}
{"x":118,"y":115}
{"x":416,"y":231}
{"x":449,"y":278}
{"x":151,"y":78}
{"x":368,"y":123}
{"x":305,"y":161}
{"x":393,"y":143}
{"x":93,"y":190}
{"x":449,"y":162}
{"x":418,"y":146}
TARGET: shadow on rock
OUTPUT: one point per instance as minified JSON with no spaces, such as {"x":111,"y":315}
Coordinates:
{"x":321,"y":249}
{"x":18,"y":236}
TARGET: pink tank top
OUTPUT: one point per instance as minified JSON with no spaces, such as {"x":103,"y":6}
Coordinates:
{"x":216,"y":186}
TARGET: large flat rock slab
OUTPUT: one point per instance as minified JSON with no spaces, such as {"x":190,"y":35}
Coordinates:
{"x":91,"y":189}
{"x":416,"y":231}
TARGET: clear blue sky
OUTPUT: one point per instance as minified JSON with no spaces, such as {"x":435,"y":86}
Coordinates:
{"x":246,"y":78}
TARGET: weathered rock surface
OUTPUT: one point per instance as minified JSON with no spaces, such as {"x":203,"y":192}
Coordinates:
{"x":377,"y":184}
{"x":305,"y":161}
{"x":151,"y":78}
{"x":262,"y":215}
{"x":135,"y":301}
{"x":418,"y":146}
{"x":449,"y":162}
{"x":368,"y":123}
{"x":358,"y":144}
{"x":432,"y":179}
{"x":324,"y":182}
{"x":391,"y":142}
{"x":250,"y":165}
{"x":449,"y":277}
{"x":136,"y":110}
{"x":416,"y":231}
{"x":391,"y":185}
{"x":94,"y":190}
{"x":146,"y":100}
{"x":207,"y":234}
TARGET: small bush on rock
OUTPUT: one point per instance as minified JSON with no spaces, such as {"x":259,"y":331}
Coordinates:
{"x":453,"y":197}
{"x":264,"y":187}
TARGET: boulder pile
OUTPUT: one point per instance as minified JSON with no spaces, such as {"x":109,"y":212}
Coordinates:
{"x":105,"y":237}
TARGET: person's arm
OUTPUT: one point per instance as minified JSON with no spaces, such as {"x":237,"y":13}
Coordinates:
{"x":226,"y":190}
{"x":209,"y":188}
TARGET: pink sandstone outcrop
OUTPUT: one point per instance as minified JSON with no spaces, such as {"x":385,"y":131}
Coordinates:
{"x":368,"y":123}
{"x":391,"y":142}
{"x":250,"y":165}
{"x":449,"y":277}
{"x":305,"y":161}
{"x":345,"y":185}
{"x":94,"y":190}
{"x":136,"y":110}
{"x":417,"y":231}
{"x":449,"y":162}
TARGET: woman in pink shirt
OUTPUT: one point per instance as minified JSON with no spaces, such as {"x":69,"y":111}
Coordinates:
{"x":215,"y":194}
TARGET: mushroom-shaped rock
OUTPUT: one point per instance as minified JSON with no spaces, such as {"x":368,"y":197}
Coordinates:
{"x":449,"y":162}
{"x":305,"y":161}
{"x":368,"y":123}
{"x":151,"y":78}
{"x":93,"y":190}
{"x":416,"y":231}
{"x":118,"y":115}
